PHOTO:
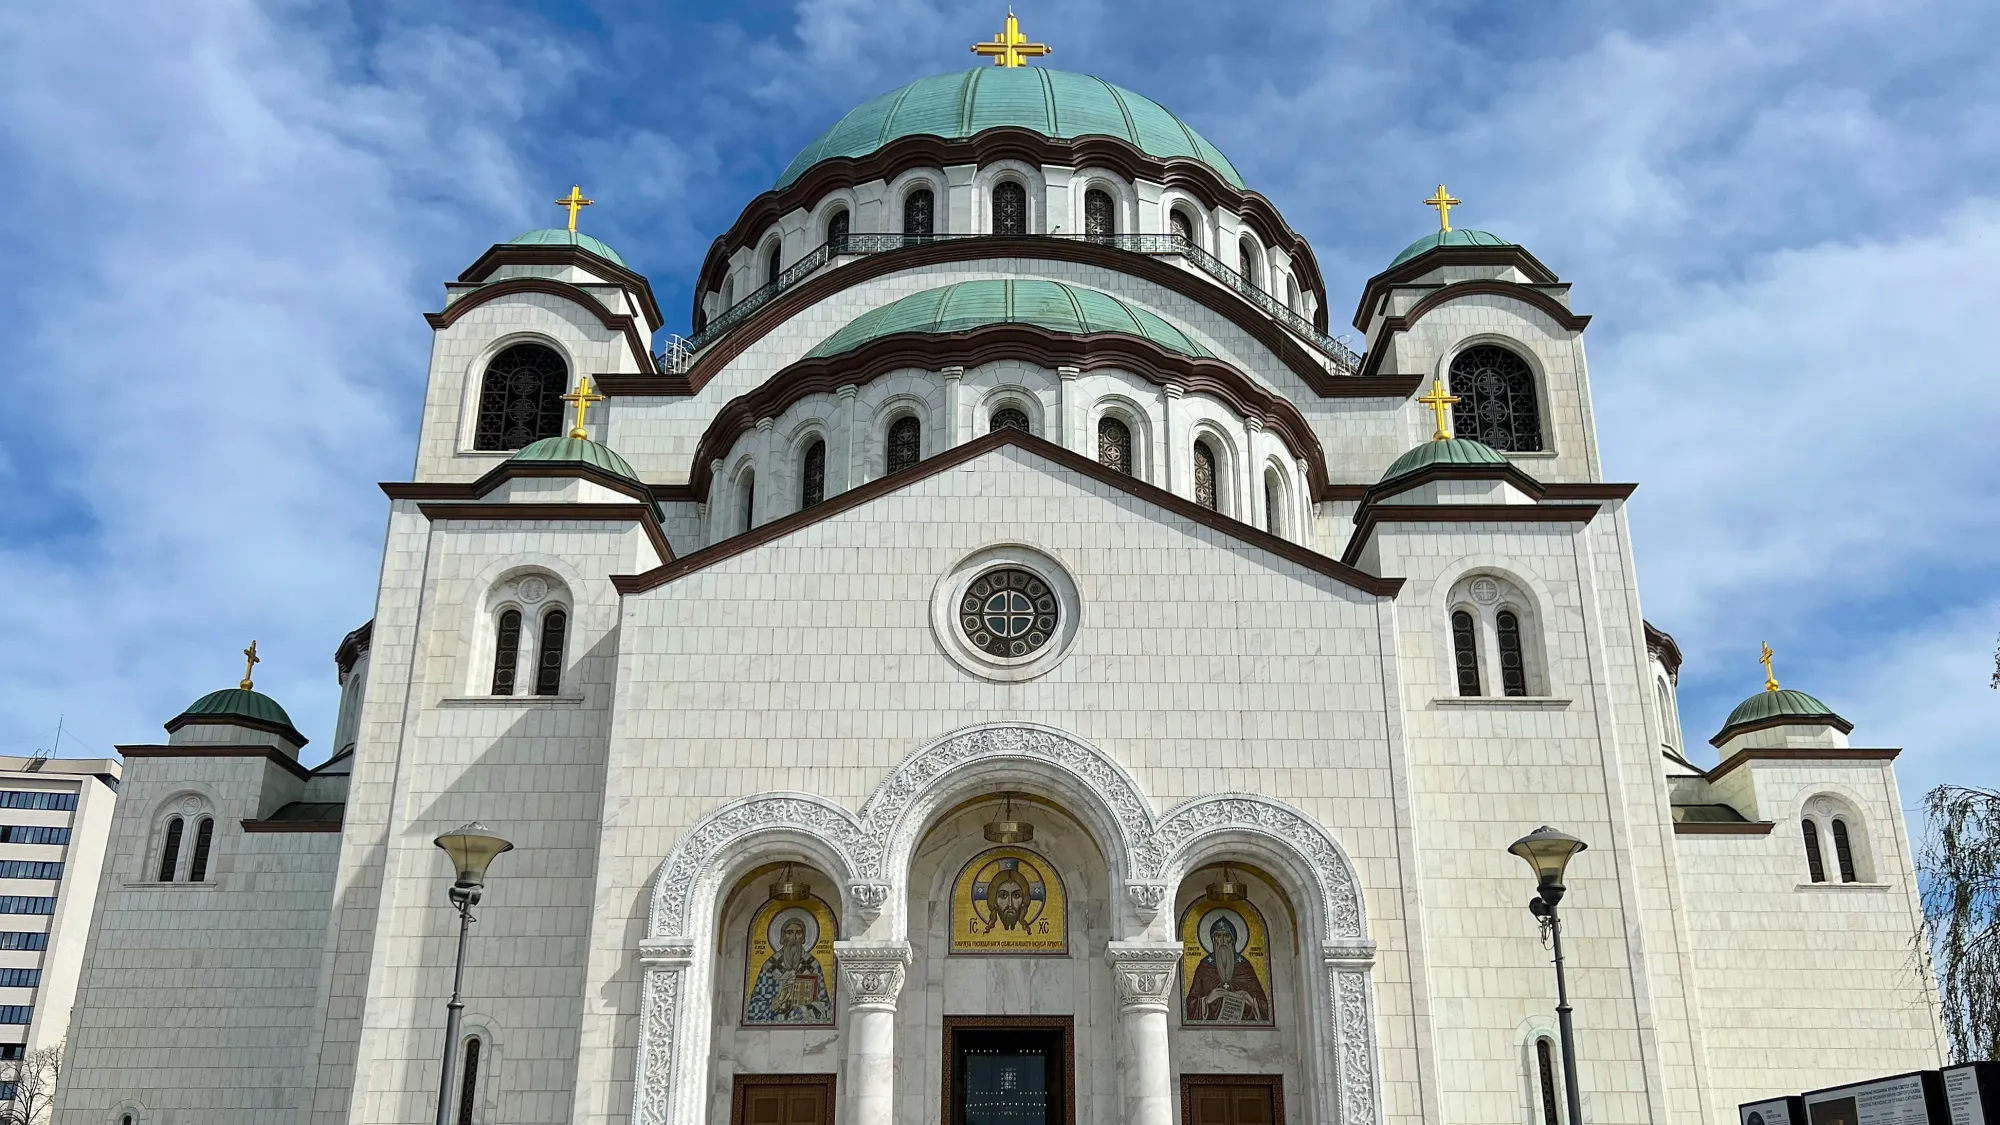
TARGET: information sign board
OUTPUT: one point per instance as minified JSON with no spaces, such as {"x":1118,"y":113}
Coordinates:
{"x":1972,"y":1091}
{"x":1916,"y":1098}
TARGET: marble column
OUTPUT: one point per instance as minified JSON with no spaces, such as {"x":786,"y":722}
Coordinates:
{"x":1170,"y":443}
{"x":767,"y":471}
{"x":851,"y":428}
{"x":1069,"y":409}
{"x":871,"y":976}
{"x":949,"y":436}
{"x":1144,"y":974}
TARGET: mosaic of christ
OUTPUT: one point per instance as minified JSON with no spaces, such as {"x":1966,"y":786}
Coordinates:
{"x":1009,"y":901}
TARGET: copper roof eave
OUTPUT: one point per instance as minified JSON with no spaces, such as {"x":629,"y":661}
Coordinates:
{"x":1377,"y":287}
{"x":508,"y":254}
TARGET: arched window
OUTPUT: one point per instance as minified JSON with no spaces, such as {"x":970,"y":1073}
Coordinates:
{"x":1182,"y":226}
{"x":204,"y":841}
{"x":1204,"y":475}
{"x":836,"y":232}
{"x":520,"y":398}
{"x":728,"y":292}
{"x":1274,"y":503}
{"x":747,"y":492}
{"x":1668,"y":727}
{"x":1246,"y":261}
{"x":506,"y":651}
{"x":812,"y":475}
{"x":1815,"y":865}
{"x":1465,"y":653}
{"x":906,"y":443}
{"x":700,"y":321}
{"x":1010,"y":208}
{"x":468,"y":1086}
{"x":1497,"y":403}
{"x":1294,"y":302}
{"x":170,"y":854}
{"x":1843,"y":851}
{"x":919,"y":214}
{"x":1545,"y":1074}
{"x":1114,"y":444}
{"x":549,"y":661}
{"x":1513,"y":674}
{"x":1010,"y":418}
{"x":1099,"y":220}
{"x":771,"y":271}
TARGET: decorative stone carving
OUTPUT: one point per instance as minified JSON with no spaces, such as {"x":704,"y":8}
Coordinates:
{"x":872,"y":972}
{"x":1144,"y":973}
{"x":1146,"y":899}
{"x":868,"y":900}
{"x":697,"y":851}
{"x":659,"y":1006}
{"x":1339,"y":894}
{"x":1355,"y":1034}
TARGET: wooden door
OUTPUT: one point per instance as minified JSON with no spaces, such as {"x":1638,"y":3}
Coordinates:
{"x":1232,"y":1099}
{"x":782,"y":1099}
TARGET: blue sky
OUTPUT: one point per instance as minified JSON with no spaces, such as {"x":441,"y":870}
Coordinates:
{"x":225,"y":219}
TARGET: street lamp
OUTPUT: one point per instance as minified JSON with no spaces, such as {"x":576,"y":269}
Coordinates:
{"x":471,"y":849}
{"x":1548,"y":852}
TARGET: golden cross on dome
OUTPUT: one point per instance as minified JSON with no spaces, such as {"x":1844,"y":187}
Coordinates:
{"x":1010,"y":47}
{"x":574,"y":201}
{"x":1444,"y":203}
{"x":249,"y":661}
{"x":1770,"y":681}
{"x":1438,"y":401}
{"x":582,"y":396}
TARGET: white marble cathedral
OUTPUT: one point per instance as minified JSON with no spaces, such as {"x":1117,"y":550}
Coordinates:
{"x":1010,"y":665}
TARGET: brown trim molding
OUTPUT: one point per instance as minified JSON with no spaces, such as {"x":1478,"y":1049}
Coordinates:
{"x":1189,"y":1082}
{"x":1729,"y":732}
{"x":1065,"y":1025}
{"x":990,"y":146}
{"x":205,"y":750}
{"x":664,"y":385}
{"x":288,"y":733}
{"x":959,"y":455}
{"x":1477,"y":287}
{"x":282,"y":826}
{"x":1661,"y":644}
{"x":993,"y":342}
{"x":1377,"y":287}
{"x":1588,"y":490}
{"x":1374,"y":515}
{"x":1509,"y":472}
{"x":508,"y":470}
{"x":507,"y":254}
{"x":736,"y":1093}
{"x":1724,"y":828}
{"x":616,"y":322}
{"x":1744,"y":757}
{"x":648,"y":518}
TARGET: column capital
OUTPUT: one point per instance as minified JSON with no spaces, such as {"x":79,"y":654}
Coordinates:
{"x":765,"y":423}
{"x":871,"y":972}
{"x":846,"y":390}
{"x":953,"y":373}
{"x":1173,"y":390}
{"x":1069,"y":372}
{"x":669,"y":953}
{"x":1255,"y":423}
{"x":1144,"y":973}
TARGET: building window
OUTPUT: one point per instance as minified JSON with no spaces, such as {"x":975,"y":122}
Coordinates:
{"x":1246,"y":261}
{"x":1513,"y":674}
{"x":1183,"y":227}
{"x":1010,"y":418}
{"x":1545,"y":1071}
{"x":919,"y":214}
{"x":812,"y":475}
{"x":1274,"y":503}
{"x":32,"y":834}
{"x":748,"y":491}
{"x":17,"y":1013}
{"x":506,"y":651}
{"x":29,"y":869}
{"x":204,"y":842}
{"x":9,"y":1091}
{"x":836,"y":232}
{"x":20,"y":978}
{"x":1204,"y":475}
{"x":1114,"y":445}
{"x":548,"y":665}
{"x":1815,"y":865}
{"x":1009,"y":613}
{"x":18,"y":939}
{"x":1843,"y":851}
{"x":1668,"y":727}
{"x":37,"y":799}
{"x":772,"y":262}
{"x":520,"y":399}
{"x":1465,"y":653}
{"x":125,"y":1120}
{"x":170,"y":854}
{"x":29,"y":904}
{"x":468,"y":1086}
{"x":1497,"y":403}
{"x":1099,"y":220}
{"x":1292,"y":299}
{"x":1010,"y":208}
{"x":906,"y":443}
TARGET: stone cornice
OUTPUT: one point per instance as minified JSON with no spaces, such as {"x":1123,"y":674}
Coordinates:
{"x":628,"y":326}
{"x":1375,"y":515}
{"x":1376,"y":291}
{"x":507,"y":254}
{"x":270,"y":754}
{"x":647,"y":516}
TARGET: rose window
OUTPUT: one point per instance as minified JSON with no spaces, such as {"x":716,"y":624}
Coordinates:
{"x":1008,"y":613}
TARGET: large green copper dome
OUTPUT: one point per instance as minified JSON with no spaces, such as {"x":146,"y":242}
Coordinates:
{"x":1054,"y":103}
{"x":975,"y":304}
{"x":242,"y":706}
{"x":1772,"y":708}
{"x":1450,"y":451}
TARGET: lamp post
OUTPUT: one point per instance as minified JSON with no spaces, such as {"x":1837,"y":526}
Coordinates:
{"x":471,"y":849}
{"x":1548,"y":852}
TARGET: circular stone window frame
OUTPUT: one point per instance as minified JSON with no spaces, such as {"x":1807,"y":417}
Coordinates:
{"x":1005,"y":556}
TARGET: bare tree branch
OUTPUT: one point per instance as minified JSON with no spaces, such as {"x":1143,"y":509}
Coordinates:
{"x":1960,"y":876}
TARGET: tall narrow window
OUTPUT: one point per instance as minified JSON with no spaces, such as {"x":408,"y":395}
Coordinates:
{"x":1204,"y":475}
{"x":1292,"y":298}
{"x":1843,"y":851}
{"x":1010,"y":208}
{"x":1666,"y":706}
{"x":728,"y":292}
{"x":1010,"y":418}
{"x":1246,"y":261}
{"x":1815,"y":866}
{"x":204,"y":841}
{"x":836,"y":232}
{"x":1274,"y":503}
{"x":771,"y":270}
{"x":549,"y":662}
{"x":812,"y":475}
{"x":1114,"y":444}
{"x":1497,"y":403}
{"x":747,"y":492}
{"x":1465,"y":653}
{"x":170,"y":855}
{"x":1098,"y":217}
{"x":919,"y":214}
{"x":468,"y":1085}
{"x":906,"y":443}
{"x":520,"y":398}
{"x":1183,"y":227}
{"x":700,"y":321}
{"x":1545,"y":1070}
{"x":506,"y":651}
{"x":1507,"y":631}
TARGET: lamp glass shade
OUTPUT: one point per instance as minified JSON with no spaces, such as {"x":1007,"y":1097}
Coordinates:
{"x":472,"y":849}
{"x":1548,"y":852}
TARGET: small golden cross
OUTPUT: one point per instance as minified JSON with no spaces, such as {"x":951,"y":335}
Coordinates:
{"x":249,"y":661}
{"x":1438,"y":401}
{"x":1010,"y":47}
{"x":574,"y":201}
{"x":1444,"y":203}
{"x":1770,"y":681}
{"x":582,"y":396}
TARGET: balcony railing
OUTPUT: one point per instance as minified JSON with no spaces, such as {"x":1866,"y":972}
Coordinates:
{"x":681,"y":350}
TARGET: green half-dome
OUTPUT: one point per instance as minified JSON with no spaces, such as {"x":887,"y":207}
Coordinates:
{"x":975,"y":304}
{"x":252,"y":708}
{"x":577,"y":451}
{"x":1451,"y":451}
{"x":556,"y":236}
{"x":1454,"y":237}
{"x":1054,"y":103}
{"x":1774,"y":708}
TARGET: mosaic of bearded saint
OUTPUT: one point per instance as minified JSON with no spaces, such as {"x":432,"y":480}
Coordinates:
{"x":1009,"y":901}
{"x":1225,"y":964}
{"x":789,"y":963}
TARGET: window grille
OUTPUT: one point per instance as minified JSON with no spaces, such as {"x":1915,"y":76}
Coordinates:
{"x":1545,"y":1066}
{"x":506,"y":652}
{"x":29,"y":869}
{"x":1098,"y":216}
{"x":1843,"y":852}
{"x":520,"y":398}
{"x":37,"y":799}
{"x":906,"y":443}
{"x":773,"y":262}
{"x":836,"y":232}
{"x":1204,"y":475}
{"x":548,"y":669}
{"x":468,"y":1086}
{"x":17,"y":939}
{"x":919,"y":214}
{"x":1274,"y":503}
{"x":1183,"y":226}
{"x":1513,"y":673}
{"x":204,"y":840}
{"x":1010,"y":418}
{"x":170,"y":855}
{"x":20,"y":978}
{"x":812,"y":475}
{"x":1010,"y":208}
{"x":1114,"y":445}
{"x":1465,"y":653}
{"x":1497,"y":403}
{"x":1815,"y":866}
{"x":27,"y":904}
